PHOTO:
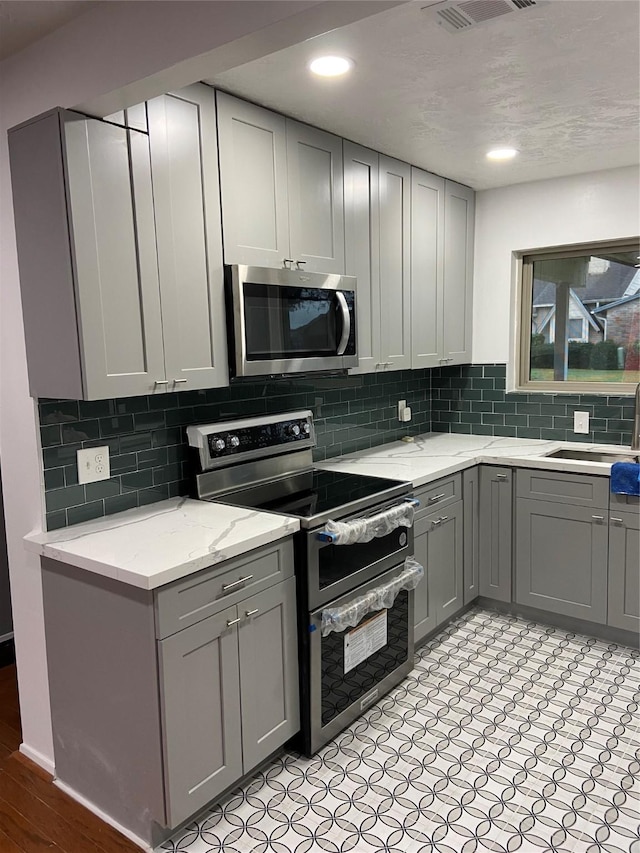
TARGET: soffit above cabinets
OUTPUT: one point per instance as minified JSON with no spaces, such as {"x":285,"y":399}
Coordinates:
{"x":558,"y":81}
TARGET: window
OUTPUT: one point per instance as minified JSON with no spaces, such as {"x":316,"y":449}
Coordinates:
{"x":580,"y":319}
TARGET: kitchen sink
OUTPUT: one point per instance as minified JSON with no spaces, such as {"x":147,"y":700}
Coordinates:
{"x":594,"y":456}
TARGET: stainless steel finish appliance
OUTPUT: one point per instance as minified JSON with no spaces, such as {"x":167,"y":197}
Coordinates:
{"x":282,"y":321}
{"x":266,"y":463}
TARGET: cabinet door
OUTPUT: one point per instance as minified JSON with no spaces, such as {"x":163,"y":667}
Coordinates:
{"x":561,"y":558}
{"x":316,"y":198}
{"x":446,"y":555}
{"x":269,"y":687}
{"x":495,"y":533}
{"x":459,"y":217}
{"x":395,"y":263}
{"x":362,"y":248}
{"x":427,"y":248}
{"x":200,"y":696}
{"x":624,"y":571}
{"x":425,"y":605}
{"x":470,"y":493}
{"x":253,"y":179}
{"x":182,"y":131}
{"x":114,"y":255}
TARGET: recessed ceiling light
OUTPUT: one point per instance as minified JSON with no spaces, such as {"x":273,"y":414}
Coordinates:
{"x":331,"y":66}
{"x":501,"y":154}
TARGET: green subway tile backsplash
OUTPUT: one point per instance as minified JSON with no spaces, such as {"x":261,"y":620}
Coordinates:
{"x":147,"y":441}
{"x":521,"y":415}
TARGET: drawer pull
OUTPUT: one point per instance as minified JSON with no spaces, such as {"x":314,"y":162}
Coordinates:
{"x":161,"y":382}
{"x":435,"y":498}
{"x":501,"y":476}
{"x":178,"y":381}
{"x":443,"y":518}
{"x":248,"y":613}
{"x":617,"y":520}
{"x":598,"y":517}
{"x":231,"y":622}
{"x":228,"y":586}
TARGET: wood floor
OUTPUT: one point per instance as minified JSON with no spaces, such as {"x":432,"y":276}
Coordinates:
{"x":35,"y":815}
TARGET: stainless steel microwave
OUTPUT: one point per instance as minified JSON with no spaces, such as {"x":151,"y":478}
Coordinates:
{"x":282,"y":321}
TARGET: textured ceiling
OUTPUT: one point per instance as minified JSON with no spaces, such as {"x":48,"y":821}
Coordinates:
{"x":560,"y":82}
{"x":25,"y":21}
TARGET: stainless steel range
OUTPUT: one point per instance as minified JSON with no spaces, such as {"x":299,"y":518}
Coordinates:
{"x":355,"y":601}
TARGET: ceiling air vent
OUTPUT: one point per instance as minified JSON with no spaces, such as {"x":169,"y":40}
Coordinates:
{"x":458,"y":15}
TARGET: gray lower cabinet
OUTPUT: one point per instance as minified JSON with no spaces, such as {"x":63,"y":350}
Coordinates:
{"x":495,"y":532}
{"x":561,"y":558}
{"x":229,"y":694}
{"x":438,"y":546}
{"x":624,"y":570}
{"x":471,"y":499}
{"x":183,"y":689}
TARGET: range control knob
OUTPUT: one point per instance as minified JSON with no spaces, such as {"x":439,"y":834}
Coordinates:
{"x":219,"y":444}
{"x":294,"y":430}
{"x":306,"y":429}
{"x":233,"y":441}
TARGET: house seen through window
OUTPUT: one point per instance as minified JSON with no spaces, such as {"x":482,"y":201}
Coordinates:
{"x":581,"y":311}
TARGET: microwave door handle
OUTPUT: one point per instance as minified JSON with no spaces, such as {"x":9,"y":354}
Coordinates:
{"x":346,"y":322}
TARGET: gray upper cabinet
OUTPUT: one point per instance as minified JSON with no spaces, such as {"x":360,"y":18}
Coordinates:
{"x":83,"y":195}
{"x":253,"y":178}
{"x":459,"y":219}
{"x":362,"y":248}
{"x":200,"y":697}
{"x":182,"y":128}
{"x":316,"y":202}
{"x":495,"y":532}
{"x":395,"y":263}
{"x":624,"y":570}
{"x":282,"y":189}
{"x":427,"y":269}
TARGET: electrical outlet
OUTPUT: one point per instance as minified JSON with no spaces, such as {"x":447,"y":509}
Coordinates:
{"x":93,"y":464}
{"x":581,"y":422}
{"x":402,"y":405}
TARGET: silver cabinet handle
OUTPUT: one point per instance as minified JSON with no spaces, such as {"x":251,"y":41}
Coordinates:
{"x":501,"y":476}
{"x":435,"y":498}
{"x":248,"y":613}
{"x":598,"y":517}
{"x":300,"y":264}
{"x":161,"y":382}
{"x":231,"y":622}
{"x":436,"y":523}
{"x":443,"y":518}
{"x":617,"y":520}
{"x":286,"y":263}
{"x":178,"y":381}
{"x":226,"y":587}
{"x":346,"y":322}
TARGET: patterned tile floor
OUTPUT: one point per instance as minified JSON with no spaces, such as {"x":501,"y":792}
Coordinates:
{"x":507,"y":736}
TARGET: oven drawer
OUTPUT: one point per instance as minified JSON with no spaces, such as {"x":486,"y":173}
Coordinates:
{"x":192,"y":599}
{"x":439,"y":494}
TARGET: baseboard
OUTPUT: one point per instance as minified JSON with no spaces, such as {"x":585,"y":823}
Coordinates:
{"x":37,"y":758}
{"x":104,"y":817}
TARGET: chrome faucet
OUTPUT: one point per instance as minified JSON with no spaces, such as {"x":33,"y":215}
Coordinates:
{"x":635,"y":436}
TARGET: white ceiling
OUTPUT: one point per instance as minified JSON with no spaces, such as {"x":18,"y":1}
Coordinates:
{"x":560,"y":82}
{"x":25,"y":21}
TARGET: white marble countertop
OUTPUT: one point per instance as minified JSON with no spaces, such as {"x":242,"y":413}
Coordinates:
{"x":154,"y":545}
{"x":434,"y":455}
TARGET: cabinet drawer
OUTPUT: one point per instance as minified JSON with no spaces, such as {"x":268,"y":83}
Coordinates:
{"x":192,"y":599}
{"x":575,"y":489}
{"x":439,"y":494}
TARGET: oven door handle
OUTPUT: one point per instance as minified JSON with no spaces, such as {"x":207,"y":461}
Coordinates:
{"x":329,"y":537}
{"x":346,"y":322}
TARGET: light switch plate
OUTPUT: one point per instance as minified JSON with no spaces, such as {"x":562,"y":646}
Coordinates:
{"x":93,"y":464}
{"x":402,"y":405}
{"x":581,"y":422}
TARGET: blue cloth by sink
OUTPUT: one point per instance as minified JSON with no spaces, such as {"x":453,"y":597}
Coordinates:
{"x":625,"y":478}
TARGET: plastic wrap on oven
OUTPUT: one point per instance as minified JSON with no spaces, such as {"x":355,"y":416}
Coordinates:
{"x":366,"y":529}
{"x":380,"y":598}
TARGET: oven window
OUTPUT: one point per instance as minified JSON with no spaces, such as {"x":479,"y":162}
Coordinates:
{"x":340,"y":690}
{"x":290,"y":322}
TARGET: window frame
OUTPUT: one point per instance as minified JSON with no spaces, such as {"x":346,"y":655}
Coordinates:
{"x":522,"y":337}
